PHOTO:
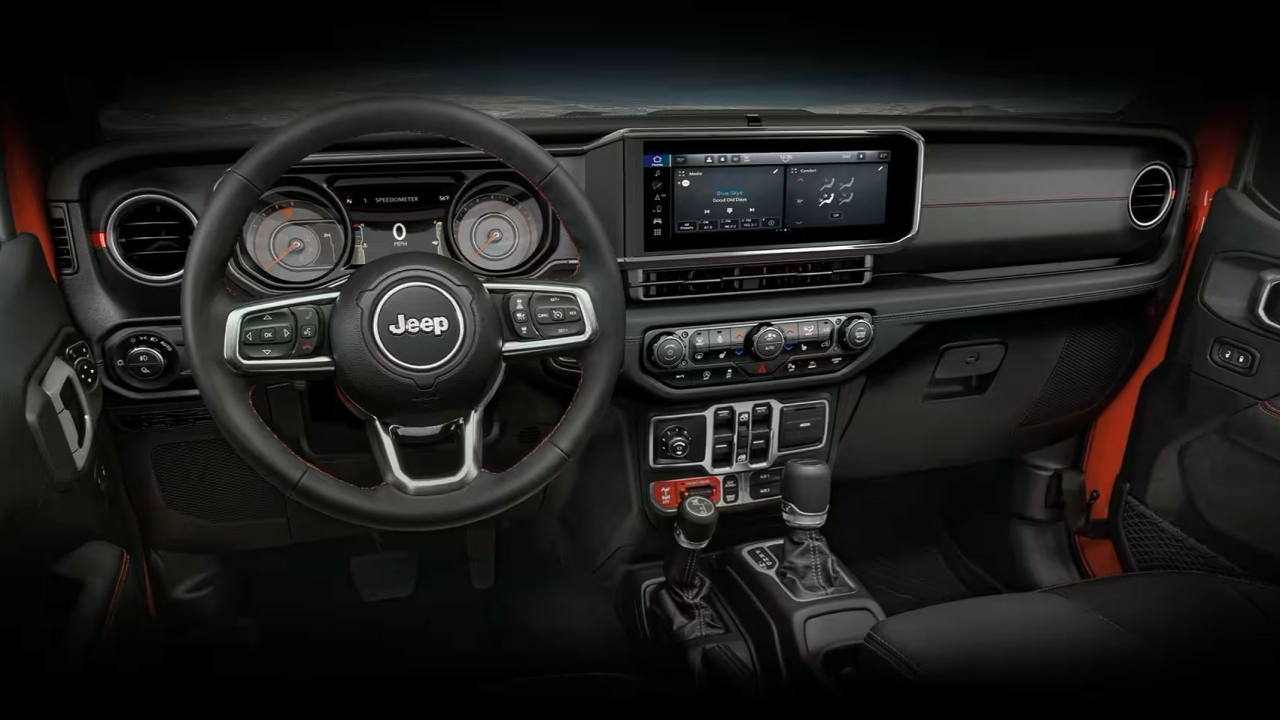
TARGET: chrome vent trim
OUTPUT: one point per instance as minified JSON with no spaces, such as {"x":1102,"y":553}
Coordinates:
{"x":138,"y":244}
{"x":1151,"y":195}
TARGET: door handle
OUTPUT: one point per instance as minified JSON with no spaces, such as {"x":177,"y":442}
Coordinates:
{"x":1266,"y":304}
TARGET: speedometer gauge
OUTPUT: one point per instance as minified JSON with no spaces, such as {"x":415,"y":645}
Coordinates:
{"x":497,"y":232}
{"x":293,"y":238}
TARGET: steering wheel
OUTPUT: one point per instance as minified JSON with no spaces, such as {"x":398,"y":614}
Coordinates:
{"x":414,"y":341}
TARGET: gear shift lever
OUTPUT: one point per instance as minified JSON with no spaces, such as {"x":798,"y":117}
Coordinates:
{"x":680,"y":601}
{"x":806,"y":493}
{"x":808,"y":569}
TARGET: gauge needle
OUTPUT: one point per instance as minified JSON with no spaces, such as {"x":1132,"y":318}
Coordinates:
{"x":292,"y":246}
{"x":494,"y":234}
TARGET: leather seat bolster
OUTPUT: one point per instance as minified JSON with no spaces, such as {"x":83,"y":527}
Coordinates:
{"x":1113,"y":629}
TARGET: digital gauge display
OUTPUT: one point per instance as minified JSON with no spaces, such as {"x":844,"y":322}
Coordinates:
{"x":378,"y":238}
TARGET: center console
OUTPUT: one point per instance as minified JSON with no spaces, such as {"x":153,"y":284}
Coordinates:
{"x":732,"y":452}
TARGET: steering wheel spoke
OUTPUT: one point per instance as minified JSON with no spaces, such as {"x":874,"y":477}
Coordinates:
{"x":544,"y":317}
{"x":463,"y":433}
{"x":286,"y":335}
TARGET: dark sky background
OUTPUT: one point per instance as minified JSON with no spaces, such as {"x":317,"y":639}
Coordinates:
{"x":229,"y":68}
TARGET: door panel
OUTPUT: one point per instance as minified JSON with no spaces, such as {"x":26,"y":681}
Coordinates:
{"x":1204,"y":455}
{"x":69,"y":581}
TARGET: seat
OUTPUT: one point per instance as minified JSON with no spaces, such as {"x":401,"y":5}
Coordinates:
{"x":1139,"y":627}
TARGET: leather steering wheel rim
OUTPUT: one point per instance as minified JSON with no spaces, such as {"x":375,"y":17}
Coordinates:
{"x":207,"y":300}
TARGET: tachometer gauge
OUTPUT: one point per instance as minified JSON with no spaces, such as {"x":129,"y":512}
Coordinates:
{"x":497,"y":232}
{"x":293,"y":238}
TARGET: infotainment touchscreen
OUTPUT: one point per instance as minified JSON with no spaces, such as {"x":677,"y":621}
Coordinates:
{"x":697,"y":197}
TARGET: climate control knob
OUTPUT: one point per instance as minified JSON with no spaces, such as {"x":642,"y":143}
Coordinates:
{"x":857,"y":334}
{"x":767,"y":342}
{"x":668,"y":352}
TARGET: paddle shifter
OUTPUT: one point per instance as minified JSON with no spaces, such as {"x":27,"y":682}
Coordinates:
{"x":808,"y":569}
{"x":681,"y":600}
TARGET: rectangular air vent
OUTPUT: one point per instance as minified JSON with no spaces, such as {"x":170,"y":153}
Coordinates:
{"x":64,"y":256}
{"x":729,"y":280}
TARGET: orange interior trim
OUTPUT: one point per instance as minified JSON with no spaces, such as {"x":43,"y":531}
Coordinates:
{"x":26,"y":192}
{"x":1217,"y":142}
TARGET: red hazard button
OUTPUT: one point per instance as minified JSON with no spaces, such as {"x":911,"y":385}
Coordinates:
{"x":758,"y":368}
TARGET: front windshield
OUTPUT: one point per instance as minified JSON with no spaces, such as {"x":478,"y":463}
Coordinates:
{"x":525,"y":71}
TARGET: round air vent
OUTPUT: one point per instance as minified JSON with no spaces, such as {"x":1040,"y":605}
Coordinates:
{"x":148,"y":236}
{"x":1151,"y":195}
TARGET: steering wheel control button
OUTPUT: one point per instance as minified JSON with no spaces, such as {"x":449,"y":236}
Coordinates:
{"x":668,"y":352}
{"x":266,"y":335}
{"x":557,"y":315}
{"x":565,"y":329}
{"x":306,"y":315}
{"x":418,"y":325}
{"x":521,"y":315}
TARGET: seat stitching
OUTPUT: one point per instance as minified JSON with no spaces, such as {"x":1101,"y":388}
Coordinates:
{"x":1098,"y":615}
{"x":813,"y":557}
{"x":888,"y":657}
{"x":1270,"y":411}
{"x":898,"y":654}
{"x":119,"y":588}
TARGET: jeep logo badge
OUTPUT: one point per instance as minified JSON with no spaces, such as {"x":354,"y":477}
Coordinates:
{"x":418,"y":325}
{"x":434,"y":325}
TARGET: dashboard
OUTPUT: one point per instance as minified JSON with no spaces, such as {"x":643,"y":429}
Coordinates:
{"x":719,"y":225}
{"x":813,"y":286}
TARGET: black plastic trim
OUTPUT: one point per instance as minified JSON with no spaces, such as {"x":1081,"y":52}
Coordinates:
{"x":67,"y":181}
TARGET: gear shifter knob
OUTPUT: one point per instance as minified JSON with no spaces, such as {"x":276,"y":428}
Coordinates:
{"x":806,"y":493}
{"x":696,"y":522}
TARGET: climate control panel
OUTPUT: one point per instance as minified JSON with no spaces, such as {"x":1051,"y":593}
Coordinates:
{"x":705,"y":356}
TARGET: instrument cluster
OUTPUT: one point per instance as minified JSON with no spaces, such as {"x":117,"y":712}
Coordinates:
{"x":305,"y":234}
